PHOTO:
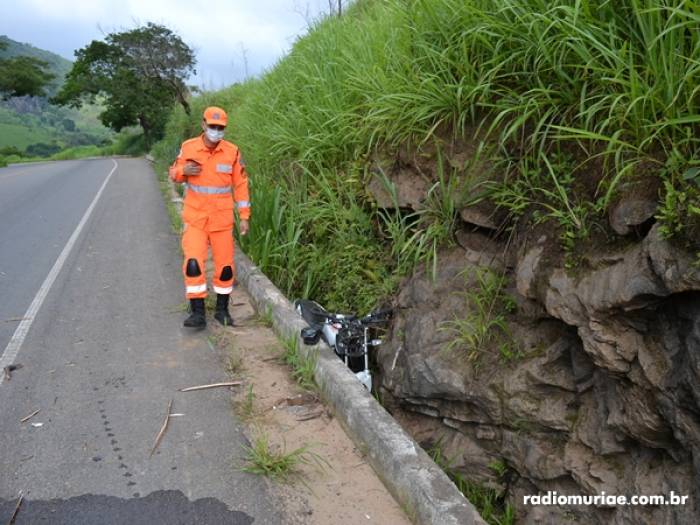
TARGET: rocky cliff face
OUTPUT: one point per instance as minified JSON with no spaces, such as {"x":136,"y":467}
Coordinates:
{"x":598,"y":392}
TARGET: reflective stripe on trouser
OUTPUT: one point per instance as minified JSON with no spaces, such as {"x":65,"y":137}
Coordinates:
{"x":195,"y":245}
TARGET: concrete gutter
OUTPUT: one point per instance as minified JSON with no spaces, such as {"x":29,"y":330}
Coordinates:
{"x":417,"y":483}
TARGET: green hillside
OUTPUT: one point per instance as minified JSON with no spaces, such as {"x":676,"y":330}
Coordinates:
{"x":31,"y":122}
{"x":569,"y":104}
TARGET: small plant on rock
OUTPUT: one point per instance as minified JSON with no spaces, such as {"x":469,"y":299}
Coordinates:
{"x":484,"y":323}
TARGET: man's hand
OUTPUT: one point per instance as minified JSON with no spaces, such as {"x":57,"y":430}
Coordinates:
{"x":243,"y":227}
{"x":191,"y":169}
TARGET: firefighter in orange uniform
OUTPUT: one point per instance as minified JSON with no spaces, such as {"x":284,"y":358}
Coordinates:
{"x":215,"y":174}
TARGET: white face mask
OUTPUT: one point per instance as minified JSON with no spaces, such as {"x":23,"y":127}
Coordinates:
{"x":214,"y":135}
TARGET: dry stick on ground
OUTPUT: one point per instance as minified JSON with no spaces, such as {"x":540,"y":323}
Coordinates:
{"x":162,"y":429}
{"x":24,"y":419}
{"x":14,"y":514}
{"x":311,"y":415}
{"x":213,"y":385}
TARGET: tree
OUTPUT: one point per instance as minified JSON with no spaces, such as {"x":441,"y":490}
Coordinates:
{"x":139,"y":73}
{"x":23,"y":75}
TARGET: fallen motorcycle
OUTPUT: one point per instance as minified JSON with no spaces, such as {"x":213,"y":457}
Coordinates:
{"x":347,"y":335}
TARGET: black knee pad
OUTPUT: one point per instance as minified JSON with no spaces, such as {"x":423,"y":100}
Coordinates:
{"x":226,"y":273}
{"x":192,"y":269}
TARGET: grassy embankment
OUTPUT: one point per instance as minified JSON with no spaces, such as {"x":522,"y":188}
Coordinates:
{"x":580,"y":101}
{"x":578,"y":98}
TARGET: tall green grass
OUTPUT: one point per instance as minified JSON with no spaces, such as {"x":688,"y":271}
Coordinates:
{"x":314,"y":239}
{"x":611,"y":86}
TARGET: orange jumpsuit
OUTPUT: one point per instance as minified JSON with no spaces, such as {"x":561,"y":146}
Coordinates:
{"x":208,"y":212}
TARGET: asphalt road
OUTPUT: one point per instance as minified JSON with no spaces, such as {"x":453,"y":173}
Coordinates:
{"x":103,"y":355}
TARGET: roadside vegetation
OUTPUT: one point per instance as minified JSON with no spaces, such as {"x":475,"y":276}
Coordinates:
{"x":577,"y":101}
{"x":302,"y":367}
{"x":125,"y":143}
{"x":277,"y":463}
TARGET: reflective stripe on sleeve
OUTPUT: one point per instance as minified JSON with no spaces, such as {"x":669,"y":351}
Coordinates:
{"x":211,"y":190}
{"x":196,"y":289}
{"x":243,"y":204}
{"x":223,"y":291}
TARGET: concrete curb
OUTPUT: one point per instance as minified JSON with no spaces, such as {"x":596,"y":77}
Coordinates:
{"x":417,"y":483}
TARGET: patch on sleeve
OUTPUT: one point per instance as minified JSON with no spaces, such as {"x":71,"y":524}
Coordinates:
{"x":224,"y":168}
{"x":241,"y":162}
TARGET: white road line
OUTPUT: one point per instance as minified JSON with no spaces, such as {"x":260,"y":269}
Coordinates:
{"x":12,"y":348}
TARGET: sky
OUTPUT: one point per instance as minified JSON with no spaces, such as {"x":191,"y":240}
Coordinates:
{"x":232,"y":39}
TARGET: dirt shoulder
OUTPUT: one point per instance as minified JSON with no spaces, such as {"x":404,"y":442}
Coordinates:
{"x":338,"y":485}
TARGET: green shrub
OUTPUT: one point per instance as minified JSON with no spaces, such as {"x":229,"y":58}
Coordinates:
{"x":10,"y":150}
{"x":11,"y":159}
{"x":78,"y":152}
{"x":42,"y":150}
{"x":128,"y":142}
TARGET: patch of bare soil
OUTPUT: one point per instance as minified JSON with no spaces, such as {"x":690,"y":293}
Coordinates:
{"x":344,"y":489}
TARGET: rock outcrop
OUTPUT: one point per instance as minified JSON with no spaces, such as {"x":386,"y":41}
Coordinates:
{"x":599,"y":392}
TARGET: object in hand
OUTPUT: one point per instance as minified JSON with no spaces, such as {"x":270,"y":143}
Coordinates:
{"x":192,"y":167}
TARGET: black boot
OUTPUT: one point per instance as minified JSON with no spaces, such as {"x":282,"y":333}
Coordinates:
{"x":196,"y":318}
{"x":221,"y":314}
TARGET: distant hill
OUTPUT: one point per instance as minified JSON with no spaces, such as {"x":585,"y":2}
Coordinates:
{"x":58,"y":65}
{"x":32,"y":124}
